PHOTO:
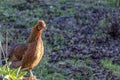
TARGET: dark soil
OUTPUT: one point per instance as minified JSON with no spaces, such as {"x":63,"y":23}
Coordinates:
{"x":84,"y":31}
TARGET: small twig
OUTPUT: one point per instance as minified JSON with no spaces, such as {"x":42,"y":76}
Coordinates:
{"x":6,"y":47}
{"x":6,"y":43}
{"x":0,"y":56}
{"x":2,"y":49}
{"x":18,"y":70}
{"x":6,"y":50}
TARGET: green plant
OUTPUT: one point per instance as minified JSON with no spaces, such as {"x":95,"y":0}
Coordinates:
{"x":101,"y":33}
{"x":114,"y":68}
{"x":8,"y":74}
{"x":63,"y":1}
{"x":114,"y":2}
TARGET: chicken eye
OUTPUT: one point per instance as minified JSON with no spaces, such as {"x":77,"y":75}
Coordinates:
{"x":39,"y":27}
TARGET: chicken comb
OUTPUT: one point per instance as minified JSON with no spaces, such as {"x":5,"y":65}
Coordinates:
{"x":42,"y":23}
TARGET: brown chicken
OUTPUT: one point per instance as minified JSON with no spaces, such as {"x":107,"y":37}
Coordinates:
{"x":28,"y":55}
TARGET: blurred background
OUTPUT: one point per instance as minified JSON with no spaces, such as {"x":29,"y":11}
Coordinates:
{"x":81,"y":41}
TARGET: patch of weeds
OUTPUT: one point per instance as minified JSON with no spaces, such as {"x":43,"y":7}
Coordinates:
{"x":8,"y":13}
{"x":54,"y":76}
{"x":101,"y":34}
{"x":47,"y":45}
{"x":55,"y":10}
{"x":71,"y":11}
{"x":87,"y":61}
{"x":110,"y":28}
{"x":12,"y":34}
{"x":21,"y":25}
{"x":110,"y":3}
{"x":43,"y":73}
{"x":24,"y":22}
{"x":115,"y":3}
{"x":10,"y":3}
{"x":74,"y":69}
{"x":20,"y":39}
{"x":114,"y":68}
{"x":6,"y":10}
{"x":57,"y":40}
{"x":63,"y":1}
{"x":3,"y":31}
{"x":37,"y":11}
{"x":82,"y":72}
{"x":59,"y":12}
{"x":104,"y":23}
{"x":8,"y":74}
{"x":76,"y":56}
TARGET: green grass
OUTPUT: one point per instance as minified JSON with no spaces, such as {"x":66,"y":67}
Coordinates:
{"x":113,"y":3}
{"x":58,"y":71}
{"x":8,"y":73}
{"x":42,"y":72}
{"x":114,"y":68}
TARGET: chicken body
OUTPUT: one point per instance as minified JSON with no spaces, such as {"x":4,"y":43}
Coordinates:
{"x":28,"y":55}
{"x":31,"y":60}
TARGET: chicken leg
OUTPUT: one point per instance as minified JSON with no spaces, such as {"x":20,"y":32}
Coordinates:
{"x":31,"y":74}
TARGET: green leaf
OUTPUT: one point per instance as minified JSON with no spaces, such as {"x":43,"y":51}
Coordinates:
{"x":3,"y":70}
{"x":21,"y":74}
{"x":5,"y":13}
